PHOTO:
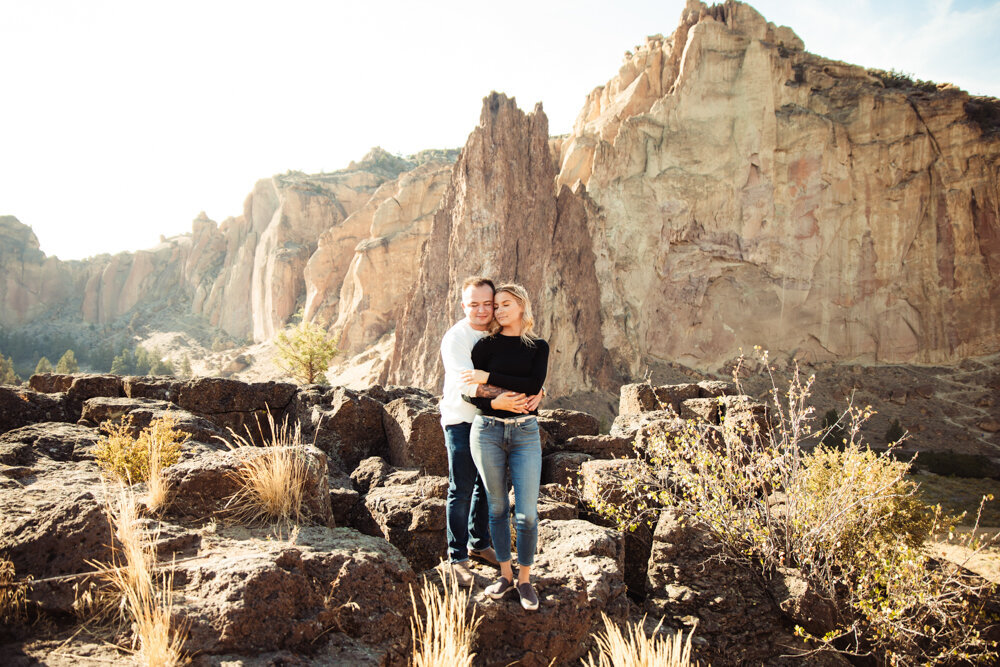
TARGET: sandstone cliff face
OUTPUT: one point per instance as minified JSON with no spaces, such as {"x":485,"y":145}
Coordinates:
{"x":750,"y":192}
{"x":728,"y":189}
{"x":30,"y":282}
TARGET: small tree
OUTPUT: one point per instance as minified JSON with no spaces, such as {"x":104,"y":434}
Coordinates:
{"x":124,"y":363}
{"x":44,"y":366}
{"x":7,"y":373}
{"x":305,"y":351}
{"x":186,"y":367}
{"x":67,"y":363}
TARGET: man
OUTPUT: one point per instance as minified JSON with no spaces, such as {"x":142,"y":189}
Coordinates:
{"x":467,"y":509}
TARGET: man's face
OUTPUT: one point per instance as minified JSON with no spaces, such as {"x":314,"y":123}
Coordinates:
{"x":477,"y":302}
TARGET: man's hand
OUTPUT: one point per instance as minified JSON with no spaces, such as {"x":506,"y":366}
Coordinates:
{"x":511,"y":402}
{"x":534,"y":401}
{"x":474,"y":376}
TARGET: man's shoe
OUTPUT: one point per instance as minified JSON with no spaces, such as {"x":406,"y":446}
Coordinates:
{"x":487,"y":555}
{"x":529,"y":600}
{"x":499,"y":588}
{"x":463,"y":575}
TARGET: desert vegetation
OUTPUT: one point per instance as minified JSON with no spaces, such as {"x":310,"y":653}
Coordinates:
{"x":632,"y":648}
{"x":13,"y":594}
{"x":305,"y":351}
{"x":781,"y":495}
{"x":444,"y":631}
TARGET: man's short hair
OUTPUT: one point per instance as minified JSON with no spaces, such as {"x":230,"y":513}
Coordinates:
{"x":478,"y":281}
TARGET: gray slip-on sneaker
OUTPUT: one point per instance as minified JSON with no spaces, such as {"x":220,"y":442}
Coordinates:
{"x":499,"y":588}
{"x":529,"y":600}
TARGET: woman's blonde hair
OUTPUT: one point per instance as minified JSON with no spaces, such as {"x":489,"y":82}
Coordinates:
{"x":528,"y":335}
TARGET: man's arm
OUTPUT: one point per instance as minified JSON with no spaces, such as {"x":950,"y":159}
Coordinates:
{"x":488,"y":391}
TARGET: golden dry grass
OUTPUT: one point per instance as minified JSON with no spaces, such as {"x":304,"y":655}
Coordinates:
{"x":148,"y":599}
{"x":444,"y":633}
{"x":13,"y":594}
{"x":272,"y":478}
{"x":633,"y":649}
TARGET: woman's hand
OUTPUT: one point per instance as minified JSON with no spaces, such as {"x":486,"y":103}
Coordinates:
{"x":474,"y":376}
{"x":511,"y":402}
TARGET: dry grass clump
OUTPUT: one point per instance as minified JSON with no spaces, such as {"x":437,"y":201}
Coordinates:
{"x":633,"y":649}
{"x":443,"y":635}
{"x":131,"y":459}
{"x":147,"y":597}
{"x":272,"y":478}
{"x":13,"y":594}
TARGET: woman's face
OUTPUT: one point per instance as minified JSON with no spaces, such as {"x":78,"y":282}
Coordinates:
{"x":507,"y":309}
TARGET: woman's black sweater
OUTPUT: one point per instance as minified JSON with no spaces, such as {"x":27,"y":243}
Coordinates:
{"x":512,"y":365}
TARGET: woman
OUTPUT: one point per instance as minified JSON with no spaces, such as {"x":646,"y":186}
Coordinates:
{"x":506,"y":436}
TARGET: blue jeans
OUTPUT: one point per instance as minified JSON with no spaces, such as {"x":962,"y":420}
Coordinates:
{"x":465,"y":492}
{"x":497,"y":446}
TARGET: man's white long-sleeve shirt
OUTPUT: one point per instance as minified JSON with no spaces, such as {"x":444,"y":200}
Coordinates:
{"x":456,"y":353}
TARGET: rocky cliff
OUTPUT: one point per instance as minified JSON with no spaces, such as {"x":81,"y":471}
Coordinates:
{"x":728,"y":188}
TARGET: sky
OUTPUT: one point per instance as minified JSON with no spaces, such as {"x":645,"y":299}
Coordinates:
{"x":122,"y":120}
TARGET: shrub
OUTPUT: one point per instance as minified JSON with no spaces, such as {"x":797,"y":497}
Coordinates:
{"x":67,"y":363}
{"x":146,"y":597}
{"x":137,"y":459}
{"x":7,"y":373}
{"x":634,"y":649}
{"x":444,"y":633}
{"x":847,"y":520}
{"x":272,"y":479}
{"x":305,"y":351}
{"x":895,"y":433}
{"x":43,"y":366}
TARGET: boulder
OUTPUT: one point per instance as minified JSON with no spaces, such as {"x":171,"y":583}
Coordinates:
{"x":256,"y":594}
{"x":637,"y":398}
{"x":414,"y":434}
{"x":235,"y":405}
{"x":690,"y":580}
{"x":104,"y":408}
{"x":391,"y":393}
{"x":84,"y":387}
{"x":627,"y":426}
{"x":577,"y":575}
{"x":344,"y":498}
{"x":715,"y":389}
{"x":350,"y":429}
{"x":20,"y":407}
{"x":53,"y":522}
{"x":600,"y":446}
{"x":565,"y":424}
{"x":563,"y":467}
{"x":50,"y":383}
{"x":57,"y":441}
{"x":370,"y":473}
{"x":201,"y":487}
{"x":701,"y":409}
{"x":159,"y":388}
{"x":412,"y":519}
{"x":672,"y":395}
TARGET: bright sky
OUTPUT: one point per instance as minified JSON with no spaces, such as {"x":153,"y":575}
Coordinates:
{"x":121,"y":120}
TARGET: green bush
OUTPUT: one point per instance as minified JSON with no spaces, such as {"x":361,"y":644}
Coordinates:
{"x":127,"y":457}
{"x":847,"y":519}
{"x":67,"y":363}
{"x":43,"y":366}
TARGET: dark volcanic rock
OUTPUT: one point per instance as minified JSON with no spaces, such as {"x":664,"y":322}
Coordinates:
{"x":563,"y":467}
{"x":565,"y":424}
{"x":255,"y":595}
{"x":349,"y":429}
{"x":410,"y":517}
{"x":672,"y":395}
{"x":370,"y":473}
{"x":20,"y":407}
{"x":236,"y":405}
{"x":202,"y":486}
{"x":50,"y":383}
{"x":637,"y":398}
{"x":600,"y":446}
{"x":415,"y":437}
{"x":58,"y":441}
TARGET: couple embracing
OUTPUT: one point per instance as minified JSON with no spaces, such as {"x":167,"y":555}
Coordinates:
{"x":494,"y":370}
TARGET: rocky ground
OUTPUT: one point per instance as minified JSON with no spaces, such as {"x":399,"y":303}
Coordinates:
{"x":336,"y":591}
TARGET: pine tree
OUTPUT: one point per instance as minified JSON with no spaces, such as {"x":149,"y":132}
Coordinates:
{"x":895,"y":432}
{"x":67,"y":363}
{"x":186,"y":367}
{"x":7,"y":373}
{"x":124,"y":363}
{"x":44,"y":366}
{"x":305,"y":351}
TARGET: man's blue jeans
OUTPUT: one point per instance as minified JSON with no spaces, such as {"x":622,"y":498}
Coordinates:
{"x":467,"y":509}
{"x":497,"y":446}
